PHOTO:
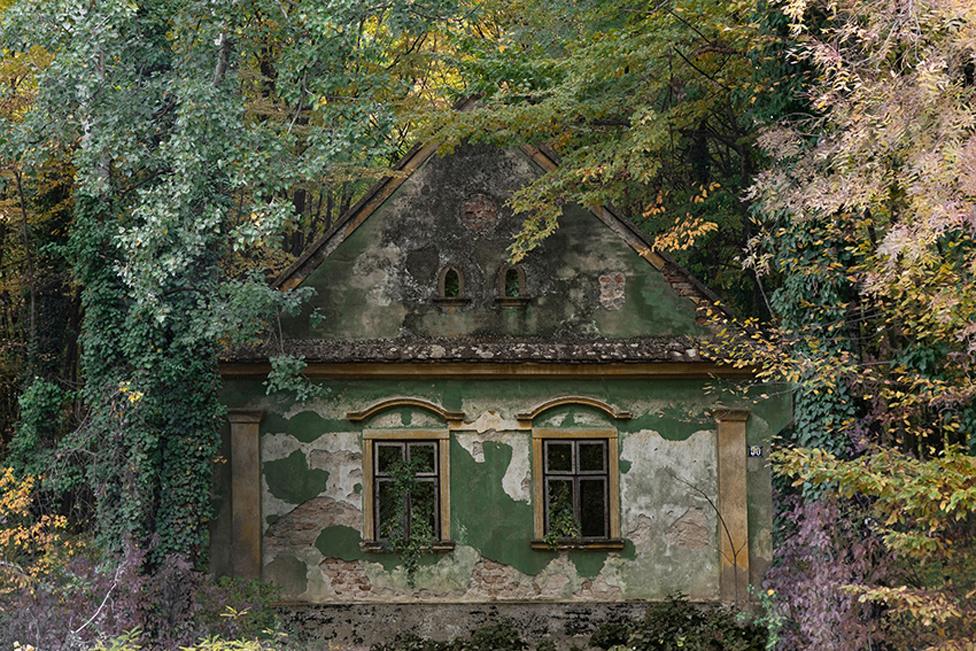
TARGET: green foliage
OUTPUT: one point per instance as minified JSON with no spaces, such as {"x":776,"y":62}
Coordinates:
{"x":563,"y":524}
{"x":653,"y":110}
{"x":130,"y":642}
{"x":409,"y":542}
{"x":768,"y":616}
{"x":611,"y":634}
{"x":287,"y":375}
{"x":191,"y":131}
{"x":924,"y":510}
{"x":42,"y":414}
{"x":242,"y":608}
{"x":676,"y":624}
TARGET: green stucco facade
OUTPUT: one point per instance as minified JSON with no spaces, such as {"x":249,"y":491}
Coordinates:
{"x":380,"y":285}
{"x":312,"y":491}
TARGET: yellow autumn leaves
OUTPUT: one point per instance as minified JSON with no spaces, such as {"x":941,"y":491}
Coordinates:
{"x":31,"y":546}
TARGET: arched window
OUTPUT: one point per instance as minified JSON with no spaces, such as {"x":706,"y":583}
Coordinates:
{"x":450,"y":283}
{"x":511,"y":285}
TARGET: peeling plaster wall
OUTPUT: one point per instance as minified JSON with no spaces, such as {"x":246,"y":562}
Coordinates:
{"x":312,"y":492}
{"x":584,"y":280}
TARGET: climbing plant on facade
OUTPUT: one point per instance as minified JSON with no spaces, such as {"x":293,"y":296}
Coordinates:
{"x":188,"y":125}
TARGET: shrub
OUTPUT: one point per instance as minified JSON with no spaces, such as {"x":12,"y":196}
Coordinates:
{"x":502,"y":635}
{"x":612,"y":633}
{"x":32,"y":547}
{"x":174,"y":606}
{"x":676,"y":624}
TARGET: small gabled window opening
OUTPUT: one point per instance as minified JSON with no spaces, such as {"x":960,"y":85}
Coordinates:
{"x":452,"y":283}
{"x":513,"y":283}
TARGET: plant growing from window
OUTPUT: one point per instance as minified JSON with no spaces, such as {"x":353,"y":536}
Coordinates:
{"x":452,"y":283}
{"x":408,"y":528}
{"x":513,"y":283}
{"x":576,"y":480}
{"x":563,"y":524}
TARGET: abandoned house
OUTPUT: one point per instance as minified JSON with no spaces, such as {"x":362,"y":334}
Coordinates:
{"x":549,"y":431}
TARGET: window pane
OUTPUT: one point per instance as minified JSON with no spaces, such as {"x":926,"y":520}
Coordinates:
{"x":592,"y":456}
{"x":387,"y":454}
{"x":385,"y":508}
{"x":424,"y":456}
{"x":593,"y":508}
{"x":559,"y":456}
{"x":423,"y":509}
{"x":560,"y":513}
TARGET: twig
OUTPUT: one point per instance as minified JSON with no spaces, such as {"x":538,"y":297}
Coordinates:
{"x":115,"y":582}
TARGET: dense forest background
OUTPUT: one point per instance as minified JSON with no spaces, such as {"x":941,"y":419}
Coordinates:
{"x":815,"y":161}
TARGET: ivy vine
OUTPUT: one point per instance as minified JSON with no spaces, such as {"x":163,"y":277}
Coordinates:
{"x":408,"y":530}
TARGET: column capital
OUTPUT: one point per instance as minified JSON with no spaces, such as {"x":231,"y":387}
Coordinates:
{"x":245,"y":415}
{"x":731,"y":415}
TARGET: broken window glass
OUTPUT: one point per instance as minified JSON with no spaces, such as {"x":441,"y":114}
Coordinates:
{"x":576,"y":480}
{"x":418,"y":507}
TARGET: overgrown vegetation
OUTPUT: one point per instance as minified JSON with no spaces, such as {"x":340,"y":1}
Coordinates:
{"x":668,"y":626}
{"x":408,"y":531}
{"x":814,"y":160}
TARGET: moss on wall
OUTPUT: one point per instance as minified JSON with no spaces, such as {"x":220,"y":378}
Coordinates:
{"x":487,"y":518}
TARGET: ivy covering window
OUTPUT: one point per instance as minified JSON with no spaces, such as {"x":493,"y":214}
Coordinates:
{"x":577,"y":489}
{"x":406,"y":487}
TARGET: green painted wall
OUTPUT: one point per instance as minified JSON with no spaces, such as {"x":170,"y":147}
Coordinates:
{"x":584,"y":283}
{"x":312,"y":505}
{"x":380,"y":282}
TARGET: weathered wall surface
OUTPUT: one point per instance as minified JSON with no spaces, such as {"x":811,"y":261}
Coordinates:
{"x":584,"y":280}
{"x":312,"y":492}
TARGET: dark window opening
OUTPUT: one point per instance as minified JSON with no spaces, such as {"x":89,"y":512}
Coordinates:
{"x":420,"y":507}
{"x":451,"y":283}
{"x":577,"y":480}
{"x":513,"y":283}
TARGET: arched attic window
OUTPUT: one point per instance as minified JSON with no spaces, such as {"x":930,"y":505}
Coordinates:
{"x":511,"y":285}
{"x":450,"y":285}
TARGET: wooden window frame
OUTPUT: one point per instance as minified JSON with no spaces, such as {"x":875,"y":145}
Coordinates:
{"x":539,"y":436}
{"x":443,"y":440}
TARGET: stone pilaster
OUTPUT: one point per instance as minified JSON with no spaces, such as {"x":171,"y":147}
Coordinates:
{"x":245,"y":492}
{"x":733,"y":505}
